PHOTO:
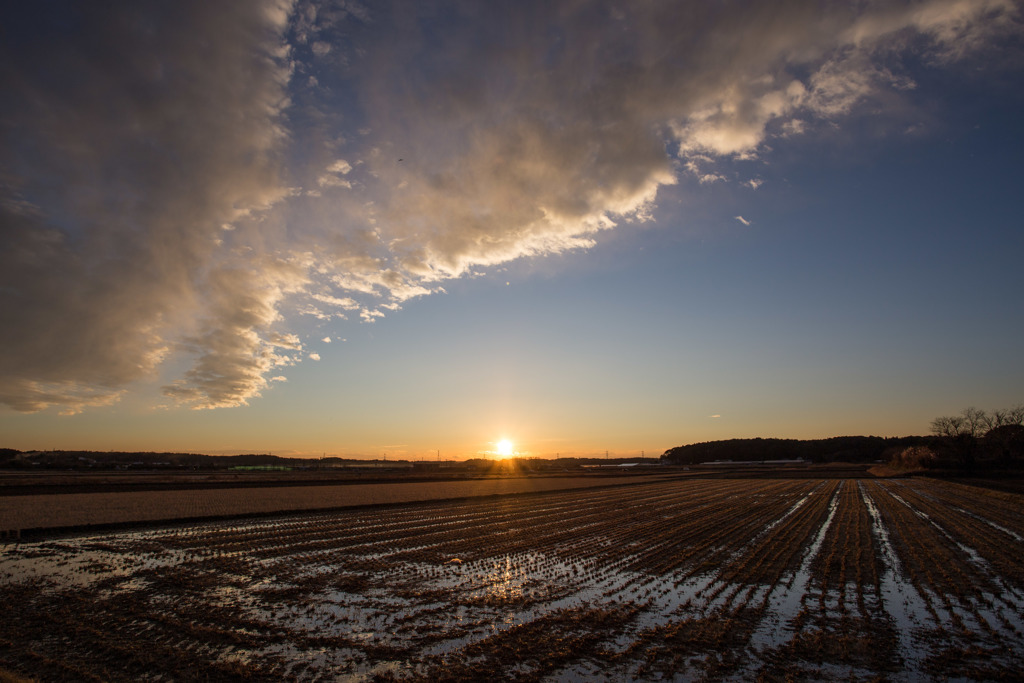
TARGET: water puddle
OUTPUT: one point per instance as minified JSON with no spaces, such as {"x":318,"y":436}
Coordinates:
{"x":1007,"y":605}
{"x":901,"y":600}
{"x":353,"y":596}
{"x":787,"y":597}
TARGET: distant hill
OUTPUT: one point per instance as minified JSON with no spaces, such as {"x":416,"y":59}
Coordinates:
{"x":126,"y":460}
{"x":852,"y":449}
{"x":855,"y":449}
{"x":149,"y":460}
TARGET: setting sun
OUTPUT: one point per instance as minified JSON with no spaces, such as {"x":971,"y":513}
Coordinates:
{"x":504,"y":448}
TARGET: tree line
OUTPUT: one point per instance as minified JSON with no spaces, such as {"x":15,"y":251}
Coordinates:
{"x":972,"y":440}
{"x":853,"y":449}
{"x":978,"y":437}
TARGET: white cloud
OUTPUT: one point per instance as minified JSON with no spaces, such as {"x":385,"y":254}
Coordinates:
{"x":318,"y":314}
{"x":331,"y":178}
{"x":793,"y":127}
{"x":346,"y":303}
{"x":169,"y":201}
{"x":369,"y":315}
{"x":340,"y":166}
{"x":285,"y":341}
{"x":703,"y":177}
{"x":236,"y":347}
{"x":734,"y":123}
{"x":846,"y":66}
{"x":326,"y":340}
{"x":955,"y":26}
{"x":314,"y":356}
{"x":843,"y":82}
{"x":333,"y":181}
{"x":71,"y":398}
{"x":119,"y":269}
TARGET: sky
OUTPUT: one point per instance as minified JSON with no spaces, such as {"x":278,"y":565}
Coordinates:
{"x":415,"y":229}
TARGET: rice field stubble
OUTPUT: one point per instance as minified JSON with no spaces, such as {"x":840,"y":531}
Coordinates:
{"x":699,"y":579}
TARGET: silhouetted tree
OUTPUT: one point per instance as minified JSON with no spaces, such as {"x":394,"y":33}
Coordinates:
{"x":836,"y":449}
{"x":1005,"y":435}
{"x":1006,"y":443}
{"x":959,"y":434}
{"x":968,"y":435}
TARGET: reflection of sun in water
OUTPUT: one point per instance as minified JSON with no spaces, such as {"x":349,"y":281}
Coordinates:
{"x":504,"y":448}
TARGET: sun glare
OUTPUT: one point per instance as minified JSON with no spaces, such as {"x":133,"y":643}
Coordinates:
{"x":504,"y":448}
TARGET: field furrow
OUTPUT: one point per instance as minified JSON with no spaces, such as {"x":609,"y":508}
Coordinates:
{"x":681,"y":579}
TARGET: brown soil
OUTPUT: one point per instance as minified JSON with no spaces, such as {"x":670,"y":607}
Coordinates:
{"x":710,"y":579}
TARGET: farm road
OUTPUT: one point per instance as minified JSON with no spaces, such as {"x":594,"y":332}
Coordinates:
{"x":72,"y":510}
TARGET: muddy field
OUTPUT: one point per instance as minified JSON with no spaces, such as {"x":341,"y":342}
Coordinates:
{"x":690,"y":579}
{"x":28,"y":513}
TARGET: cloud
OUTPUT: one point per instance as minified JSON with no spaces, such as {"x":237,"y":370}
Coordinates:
{"x":136,"y":146}
{"x":491,"y":144}
{"x":235,"y":348}
{"x":284,"y":341}
{"x":693,"y":166}
{"x":179,"y":186}
{"x":347,"y":303}
{"x":30,"y":396}
{"x":734,"y":123}
{"x":742,"y":220}
{"x":328,"y":180}
{"x":846,"y":66}
{"x":955,"y":27}
{"x":340,"y":166}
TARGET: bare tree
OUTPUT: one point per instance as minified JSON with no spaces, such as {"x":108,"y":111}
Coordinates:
{"x":1005,"y":436}
{"x":997,"y":418}
{"x":960,"y":434}
{"x":950,"y":427}
{"x":975,"y":421}
{"x":965,"y":435}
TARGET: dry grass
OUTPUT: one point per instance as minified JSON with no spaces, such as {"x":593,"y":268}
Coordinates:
{"x":8,"y":677}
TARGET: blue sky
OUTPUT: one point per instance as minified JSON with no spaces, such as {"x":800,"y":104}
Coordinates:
{"x":576,"y":227}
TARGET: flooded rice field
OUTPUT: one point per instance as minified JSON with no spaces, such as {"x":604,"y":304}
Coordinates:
{"x":672,"y":580}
